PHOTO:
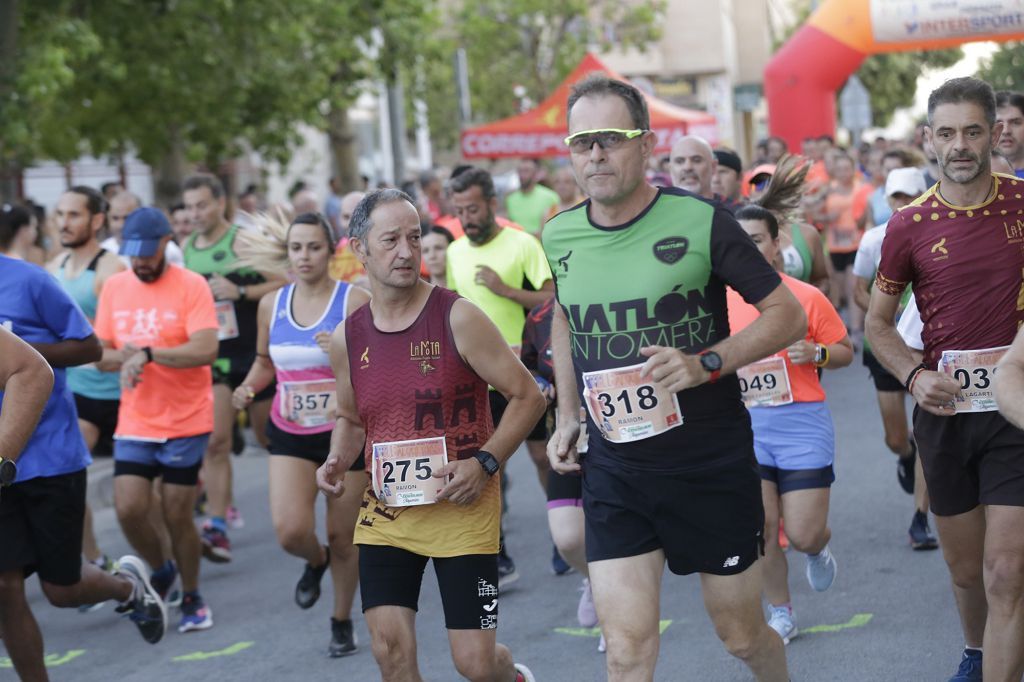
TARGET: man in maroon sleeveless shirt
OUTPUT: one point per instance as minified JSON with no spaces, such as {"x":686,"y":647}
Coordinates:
{"x":412,"y":372}
{"x":959,"y":245}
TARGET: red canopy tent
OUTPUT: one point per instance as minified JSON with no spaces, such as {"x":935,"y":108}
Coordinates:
{"x":541,"y":131}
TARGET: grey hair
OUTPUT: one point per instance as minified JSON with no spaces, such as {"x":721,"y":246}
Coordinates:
{"x":360,"y":224}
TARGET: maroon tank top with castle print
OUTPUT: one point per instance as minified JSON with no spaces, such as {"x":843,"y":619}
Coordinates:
{"x":414,"y":384}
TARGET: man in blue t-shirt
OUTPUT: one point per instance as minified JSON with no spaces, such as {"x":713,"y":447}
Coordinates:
{"x":42,"y":486}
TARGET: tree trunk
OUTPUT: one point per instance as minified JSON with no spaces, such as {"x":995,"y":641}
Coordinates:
{"x":169,"y":172}
{"x":10,"y":171}
{"x":343,"y":149}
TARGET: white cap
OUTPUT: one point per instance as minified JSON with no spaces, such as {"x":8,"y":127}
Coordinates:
{"x":909,"y":181}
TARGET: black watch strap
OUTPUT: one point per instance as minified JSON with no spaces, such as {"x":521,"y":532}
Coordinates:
{"x":488,"y":462}
{"x":149,"y":353}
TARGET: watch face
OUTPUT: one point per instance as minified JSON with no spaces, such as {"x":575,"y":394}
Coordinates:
{"x":711,"y":361}
{"x":8,"y":472}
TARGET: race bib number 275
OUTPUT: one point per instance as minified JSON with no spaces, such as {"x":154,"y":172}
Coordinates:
{"x":403,"y":471}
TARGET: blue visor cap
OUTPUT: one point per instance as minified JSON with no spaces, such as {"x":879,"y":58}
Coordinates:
{"x":143,"y":230}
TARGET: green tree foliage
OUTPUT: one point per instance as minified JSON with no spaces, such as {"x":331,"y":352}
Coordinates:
{"x":525,"y":44}
{"x":1005,"y":68}
{"x":891,"y":78}
{"x":203,"y":79}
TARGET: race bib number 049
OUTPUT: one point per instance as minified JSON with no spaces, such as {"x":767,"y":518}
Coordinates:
{"x":403,"y":471}
{"x":765,"y":383}
{"x":628,"y":408}
{"x":309,"y":403}
{"x":975,"y":371}
{"x":227,"y":322}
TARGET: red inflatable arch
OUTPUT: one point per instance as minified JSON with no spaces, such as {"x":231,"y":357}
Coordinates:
{"x":801,"y":80}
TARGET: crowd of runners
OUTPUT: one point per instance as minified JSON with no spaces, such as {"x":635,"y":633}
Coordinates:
{"x":652,"y":330}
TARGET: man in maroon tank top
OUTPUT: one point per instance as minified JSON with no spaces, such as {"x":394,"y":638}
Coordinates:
{"x":412,"y":372}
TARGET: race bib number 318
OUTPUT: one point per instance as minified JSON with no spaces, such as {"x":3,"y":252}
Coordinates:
{"x":403,"y":471}
{"x":626,"y":407}
{"x":975,"y":371}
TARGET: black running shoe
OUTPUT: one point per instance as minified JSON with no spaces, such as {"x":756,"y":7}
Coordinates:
{"x":507,"y":573}
{"x":144,"y":608}
{"x":307,"y":591}
{"x":905,"y":469}
{"x":343,"y":639}
{"x":920,"y":534}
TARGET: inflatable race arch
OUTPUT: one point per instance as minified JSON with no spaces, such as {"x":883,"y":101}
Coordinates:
{"x":801,"y":80}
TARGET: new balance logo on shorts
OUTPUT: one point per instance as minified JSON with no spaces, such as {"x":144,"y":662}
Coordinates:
{"x":731,"y":561}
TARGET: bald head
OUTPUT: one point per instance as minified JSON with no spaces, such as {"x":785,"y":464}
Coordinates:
{"x":692,"y":164}
{"x":121,"y":205}
{"x":305,"y":201}
{"x":348,"y":204}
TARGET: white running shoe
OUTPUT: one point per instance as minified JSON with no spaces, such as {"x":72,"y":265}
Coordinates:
{"x":586,"y":612}
{"x":821,"y":570}
{"x":525,"y":673}
{"x":602,"y":645}
{"x":781,"y":620}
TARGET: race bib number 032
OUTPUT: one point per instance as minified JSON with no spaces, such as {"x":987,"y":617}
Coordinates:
{"x":975,"y":371}
{"x":309,"y":403}
{"x":227,"y":322}
{"x":628,"y":408}
{"x":403,"y":471}
{"x":765,"y":383}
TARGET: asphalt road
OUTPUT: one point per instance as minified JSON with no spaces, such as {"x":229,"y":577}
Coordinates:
{"x":890,"y":615}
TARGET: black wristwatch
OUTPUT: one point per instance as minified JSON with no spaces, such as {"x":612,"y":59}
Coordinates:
{"x":8,"y":472}
{"x":712,"y":363}
{"x":488,"y":462}
{"x":148,"y":350}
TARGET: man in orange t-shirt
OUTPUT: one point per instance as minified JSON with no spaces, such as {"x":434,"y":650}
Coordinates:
{"x":158,"y":323}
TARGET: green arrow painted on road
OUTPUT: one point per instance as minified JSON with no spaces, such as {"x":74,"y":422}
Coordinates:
{"x":859,"y":620}
{"x":203,"y":655}
{"x":596,"y":632}
{"x":51,"y":660}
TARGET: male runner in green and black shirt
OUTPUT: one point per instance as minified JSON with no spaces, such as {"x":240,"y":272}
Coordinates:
{"x":210,"y":251}
{"x":670,"y":474}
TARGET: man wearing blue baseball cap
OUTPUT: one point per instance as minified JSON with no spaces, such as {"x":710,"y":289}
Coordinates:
{"x":159,"y":323}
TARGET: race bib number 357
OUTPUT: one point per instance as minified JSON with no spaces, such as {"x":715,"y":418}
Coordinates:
{"x":309,"y":403}
{"x":403,"y":471}
{"x":975,"y":371}
{"x":626,"y":407}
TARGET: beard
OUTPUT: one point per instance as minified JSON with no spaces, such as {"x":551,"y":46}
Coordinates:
{"x":483,"y":230}
{"x":962,"y":175}
{"x":74,"y":243}
{"x":150,"y":274}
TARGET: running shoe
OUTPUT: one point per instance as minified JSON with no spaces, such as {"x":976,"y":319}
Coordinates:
{"x":821,"y":570}
{"x":905,"y":469}
{"x":783,"y":540}
{"x":234,"y":518}
{"x":104,"y":564}
{"x":195,"y":614}
{"x":780,"y":619}
{"x":307,"y":590}
{"x":920,"y":534}
{"x":559,"y":565}
{"x":586,"y":613}
{"x":970,"y":667}
{"x":216,"y":546}
{"x":343,"y":639}
{"x":524,"y":674}
{"x":507,"y":573}
{"x":163,"y":578}
{"x":144,"y":607}
{"x":602,"y":645}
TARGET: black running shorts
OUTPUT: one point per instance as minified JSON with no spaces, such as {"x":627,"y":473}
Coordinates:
{"x":41,"y":527}
{"x":103,"y":415}
{"x":970,"y":459}
{"x":312,"y":447}
{"x":389,"y":576}
{"x":884,"y":382}
{"x":709,"y":521}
